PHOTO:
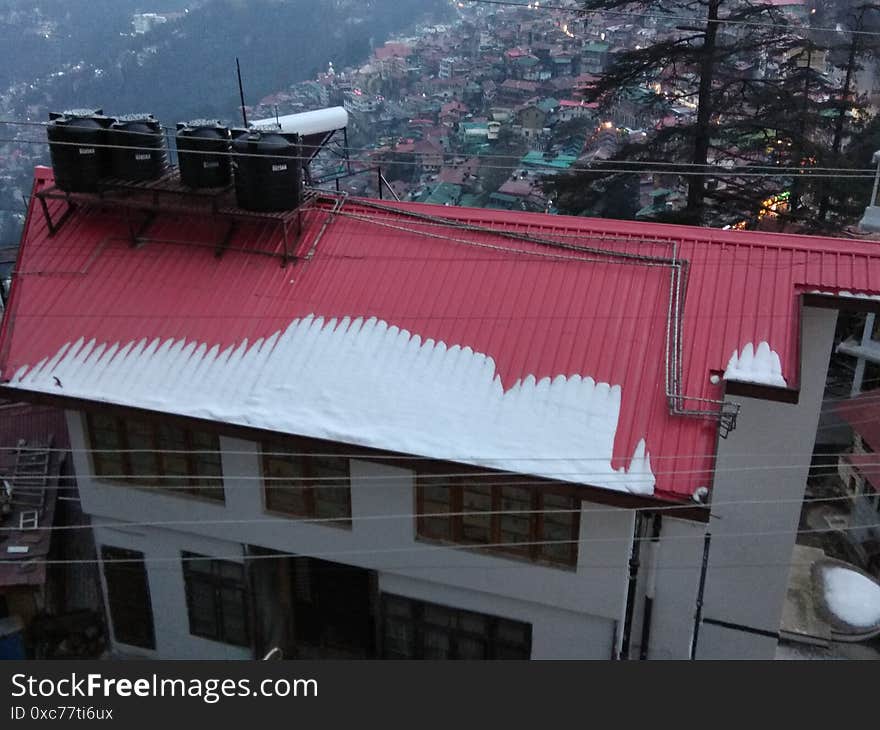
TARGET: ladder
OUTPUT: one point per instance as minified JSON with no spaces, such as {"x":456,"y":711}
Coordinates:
{"x":30,"y":476}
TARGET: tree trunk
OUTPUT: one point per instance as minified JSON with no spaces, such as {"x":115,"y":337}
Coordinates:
{"x":837,"y":140}
{"x":703,"y":131}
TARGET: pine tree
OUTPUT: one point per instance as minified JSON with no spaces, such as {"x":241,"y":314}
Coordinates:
{"x":762,"y":99}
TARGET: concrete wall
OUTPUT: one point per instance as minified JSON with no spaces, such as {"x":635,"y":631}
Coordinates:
{"x":676,"y":578}
{"x":767,"y":459}
{"x":574,"y":611}
{"x":161,"y":549}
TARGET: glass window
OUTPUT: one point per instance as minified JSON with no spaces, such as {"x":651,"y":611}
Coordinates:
{"x":436,"y":498}
{"x":143,"y":461}
{"x":159,"y":454}
{"x":330,"y":481}
{"x":516,"y":528}
{"x":128,"y":596}
{"x":420,"y":630}
{"x":559,"y":528}
{"x":107,"y":445}
{"x":216,"y":599}
{"x":307,"y":486}
{"x":506,"y":518}
{"x":476,"y":528}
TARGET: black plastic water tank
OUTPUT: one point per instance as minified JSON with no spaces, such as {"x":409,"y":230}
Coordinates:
{"x":78,"y":160}
{"x":139,"y":148}
{"x":267,"y":169}
{"x":203,"y":154}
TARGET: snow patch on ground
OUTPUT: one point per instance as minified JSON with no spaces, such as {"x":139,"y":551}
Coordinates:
{"x":364,"y":382}
{"x":852,"y":597}
{"x":755,"y":365}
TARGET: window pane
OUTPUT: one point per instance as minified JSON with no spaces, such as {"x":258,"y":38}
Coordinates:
{"x":128,"y":596}
{"x":476,"y":528}
{"x":559,"y":526}
{"x":436,"y":499}
{"x":230,"y":571}
{"x":397,"y":606}
{"x":173,"y":445}
{"x":398,"y":639}
{"x":207,"y":469}
{"x":284,"y":479}
{"x":419,"y":630}
{"x":438,"y":615}
{"x":142,"y":455}
{"x":468,"y":647}
{"x":330,"y":483}
{"x":511,"y":632}
{"x":516,"y":528}
{"x":202,"y":609}
{"x":334,"y":502}
{"x":435,"y":644}
{"x":472,"y":623}
{"x":104,"y":434}
{"x":234,"y":611}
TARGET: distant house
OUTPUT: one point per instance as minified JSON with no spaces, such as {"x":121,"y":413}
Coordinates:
{"x":594,"y":57}
{"x":531,"y":120}
{"x":514,"y":91}
{"x":858,"y":470}
{"x":573,"y":109}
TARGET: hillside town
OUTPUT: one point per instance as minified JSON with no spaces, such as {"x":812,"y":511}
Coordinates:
{"x":482,"y":111}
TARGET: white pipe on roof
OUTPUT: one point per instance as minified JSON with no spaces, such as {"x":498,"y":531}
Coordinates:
{"x":316,"y":122}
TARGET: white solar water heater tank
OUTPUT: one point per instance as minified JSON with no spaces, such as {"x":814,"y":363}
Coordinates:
{"x":305,"y":123}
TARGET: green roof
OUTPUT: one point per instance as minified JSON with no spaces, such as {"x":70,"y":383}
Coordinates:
{"x":502,"y":201}
{"x":535,"y":158}
{"x":596,"y":47}
{"x":474,"y":126}
{"x":547,"y":105}
{"x":444,"y":194}
{"x":471,"y":200}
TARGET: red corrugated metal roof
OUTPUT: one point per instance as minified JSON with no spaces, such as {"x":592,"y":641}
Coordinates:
{"x":534,"y":314}
{"x":862,"y":413}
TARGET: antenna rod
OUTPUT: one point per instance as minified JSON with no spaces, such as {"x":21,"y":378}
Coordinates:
{"x":241,"y":92}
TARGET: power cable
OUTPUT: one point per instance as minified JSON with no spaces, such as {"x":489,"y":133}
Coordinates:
{"x":716,"y":536}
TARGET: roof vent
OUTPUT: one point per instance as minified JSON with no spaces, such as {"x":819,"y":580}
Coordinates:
{"x":75,"y":145}
{"x":267,"y":168}
{"x":203,"y":154}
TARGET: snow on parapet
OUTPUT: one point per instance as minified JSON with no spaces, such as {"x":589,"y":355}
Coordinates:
{"x":846,"y":294}
{"x":761,"y":365}
{"x":369,"y":383}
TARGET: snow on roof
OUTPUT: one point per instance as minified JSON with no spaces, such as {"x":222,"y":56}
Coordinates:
{"x":368,"y":382}
{"x":527,"y":319}
{"x":756,"y":365}
{"x":852,"y":597}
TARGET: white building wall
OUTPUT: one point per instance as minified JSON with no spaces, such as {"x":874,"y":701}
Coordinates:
{"x":675,"y":586}
{"x":574,"y":612}
{"x":766,"y":459}
{"x":161,"y":549}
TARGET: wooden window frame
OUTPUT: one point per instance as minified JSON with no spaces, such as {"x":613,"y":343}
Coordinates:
{"x":533,"y":552}
{"x":420,"y":626}
{"x":111,"y":553}
{"x":129,"y":475}
{"x":309,"y":482}
{"x":217,"y":582}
